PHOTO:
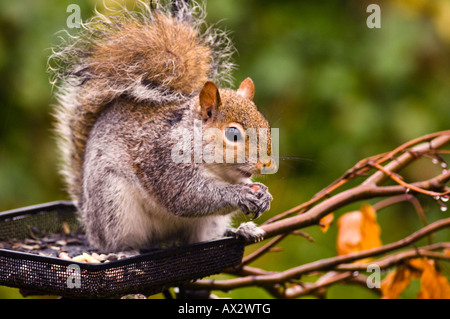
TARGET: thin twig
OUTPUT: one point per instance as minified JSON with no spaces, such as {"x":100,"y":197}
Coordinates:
{"x":407,"y":186}
{"x":405,"y":198}
{"x":394,"y":259}
{"x":439,"y":139}
{"x":257,"y":253}
{"x":310,"y":288}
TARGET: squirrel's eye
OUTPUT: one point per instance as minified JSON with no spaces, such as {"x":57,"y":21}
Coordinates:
{"x":233,"y":134}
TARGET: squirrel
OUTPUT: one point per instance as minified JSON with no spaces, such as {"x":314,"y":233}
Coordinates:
{"x":126,"y":83}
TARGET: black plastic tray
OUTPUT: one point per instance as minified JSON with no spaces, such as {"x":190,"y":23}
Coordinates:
{"x":147,"y":273}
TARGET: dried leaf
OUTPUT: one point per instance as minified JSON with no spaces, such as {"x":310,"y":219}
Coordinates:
{"x":433,"y":284}
{"x":395,"y":282}
{"x":349,"y":233}
{"x":371,"y":230}
{"x":358,"y":231}
{"x":325,"y":222}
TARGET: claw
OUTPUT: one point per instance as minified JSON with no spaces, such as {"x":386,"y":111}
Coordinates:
{"x":255,"y":200}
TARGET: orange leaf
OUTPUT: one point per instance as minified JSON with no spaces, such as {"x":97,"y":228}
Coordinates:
{"x":371,"y":229}
{"x":433,"y":284}
{"x":349,"y":233}
{"x":358,"y":231}
{"x":326,"y":221}
{"x":395,"y":282}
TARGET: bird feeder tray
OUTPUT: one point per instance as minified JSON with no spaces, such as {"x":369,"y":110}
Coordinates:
{"x":33,"y":238}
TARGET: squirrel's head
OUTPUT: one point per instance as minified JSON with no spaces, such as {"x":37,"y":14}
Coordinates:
{"x":241,"y":130}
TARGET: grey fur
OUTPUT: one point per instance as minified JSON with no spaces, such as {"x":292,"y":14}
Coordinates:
{"x":173,"y":202}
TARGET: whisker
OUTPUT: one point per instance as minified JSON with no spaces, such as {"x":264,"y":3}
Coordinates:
{"x":296,"y":158}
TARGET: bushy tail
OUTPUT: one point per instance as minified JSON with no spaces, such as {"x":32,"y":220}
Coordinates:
{"x":162,"y":54}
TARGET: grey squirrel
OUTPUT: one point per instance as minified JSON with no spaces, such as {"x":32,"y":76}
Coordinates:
{"x":126,"y":83}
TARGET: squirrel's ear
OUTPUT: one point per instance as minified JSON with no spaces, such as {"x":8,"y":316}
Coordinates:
{"x":209,"y":100}
{"x":247,"y":89}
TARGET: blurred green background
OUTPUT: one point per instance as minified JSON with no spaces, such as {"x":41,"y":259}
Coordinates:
{"x":337,"y":90}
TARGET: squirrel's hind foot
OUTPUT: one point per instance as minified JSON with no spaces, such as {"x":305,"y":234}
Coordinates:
{"x":248,"y":232}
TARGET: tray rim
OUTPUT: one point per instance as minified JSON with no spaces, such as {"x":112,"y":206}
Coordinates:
{"x":35,"y":209}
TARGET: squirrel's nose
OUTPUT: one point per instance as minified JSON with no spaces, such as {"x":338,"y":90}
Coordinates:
{"x":269,"y":166}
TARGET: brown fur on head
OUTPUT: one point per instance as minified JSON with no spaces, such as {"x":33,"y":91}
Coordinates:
{"x":226,"y":109}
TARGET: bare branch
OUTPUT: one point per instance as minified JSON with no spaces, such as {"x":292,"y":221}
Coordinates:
{"x":324,"y":264}
{"x":358,"y":193}
{"x":438,"y":140}
{"x":395,"y":259}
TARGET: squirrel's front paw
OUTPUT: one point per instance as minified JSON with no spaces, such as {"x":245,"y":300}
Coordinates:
{"x":254,"y":199}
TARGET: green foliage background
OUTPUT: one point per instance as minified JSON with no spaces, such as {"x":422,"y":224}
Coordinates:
{"x":337,"y":90}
